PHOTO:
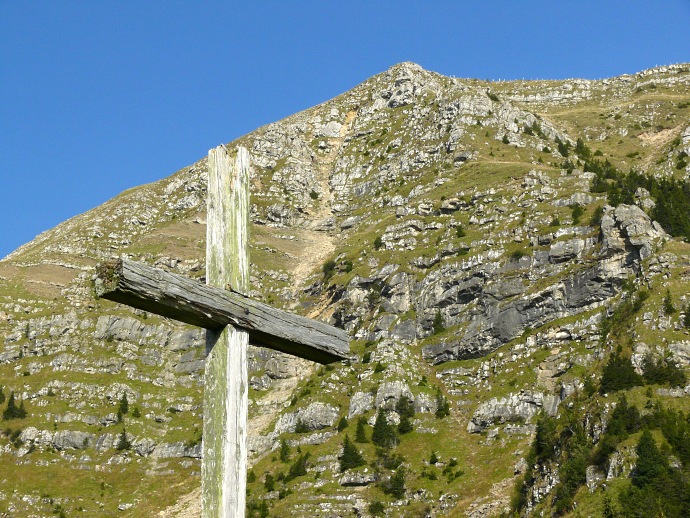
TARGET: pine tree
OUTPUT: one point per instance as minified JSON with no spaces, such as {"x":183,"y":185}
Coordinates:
{"x":433,"y":459}
{"x":377,"y":508}
{"x":123,"y":443}
{"x":396,"y":486}
{"x":2,"y":394}
{"x":360,"y":433}
{"x":405,"y":409}
{"x":351,"y":457}
{"x":442,"y":406}
{"x":384,"y":434}
{"x":342,"y":424}
{"x":11,"y":408}
{"x":284,"y":451}
{"x":298,"y":468}
{"x":437,"y":323}
{"x":405,"y":425}
{"x":651,"y":464}
{"x":619,"y":374}
{"x":301,"y":427}
{"x":269,"y":483}
{"x":12,"y":411}
{"x":124,"y":404}
{"x":669,"y":308}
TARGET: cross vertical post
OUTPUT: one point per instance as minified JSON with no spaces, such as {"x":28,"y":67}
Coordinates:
{"x":224,"y":460}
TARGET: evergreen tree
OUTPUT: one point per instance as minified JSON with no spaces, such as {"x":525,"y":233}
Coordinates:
{"x":301,"y":427}
{"x":383,"y":434}
{"x":662,"y":372}
{"x":405,"y":425}
{"x":582,"y":150}
{"x":433,"y":459}
{"x":124,"y":404}
{"x":269,"y":483}
{"x":437,"y":323}
{"x":669,"y":308}
{"x":442,"y":405}
{"x":651,"y":465}
{"x":405,"y":409}
{"x":298,"y":468}
{"x":396,"y":484}
{"x":13,"y":411}
{"x":545,"y":439}
{"x":360,"y":433}
{"x":11,"y":408}
{"x":2,"y":394}
{"x":377,"y":508}
{"x":284,"y":451}
{"x":342,"y":424}
{"x":578,"y":211}
{"x":351,"y":457}
{"x":625,"y":419}
{"x":563,"y":147}
{"x":619,"y":374}
{"x":257,"y":509}
{"x":123,"y":443}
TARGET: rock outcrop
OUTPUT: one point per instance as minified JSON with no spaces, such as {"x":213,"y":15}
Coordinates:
{"x":446,"y":224}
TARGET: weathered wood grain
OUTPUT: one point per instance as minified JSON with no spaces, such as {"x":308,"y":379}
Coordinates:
{"x":180,"y":298}
{"x":226,"y":384}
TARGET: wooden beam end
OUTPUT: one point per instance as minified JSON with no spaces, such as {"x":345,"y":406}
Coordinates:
{"x":108,"y":274}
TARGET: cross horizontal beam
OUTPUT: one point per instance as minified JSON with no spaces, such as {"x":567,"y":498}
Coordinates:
{"x":180,"y":298}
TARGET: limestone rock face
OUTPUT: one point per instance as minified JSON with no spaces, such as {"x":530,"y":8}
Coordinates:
{"x":60,"y":440}
{"x":313,"y":417}
{"x":681,"y":352}
{"x":176,"y":450}
{"x":357,"y":478}
{"x":360,"y":402}
{"x":390,"y":392}
{"x":282,"y":366}
{"x":628,"y":229}
{"x":628,"y":236}
{"x":516,"y":407}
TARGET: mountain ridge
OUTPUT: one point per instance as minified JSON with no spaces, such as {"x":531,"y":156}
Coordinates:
{"x":450,"y":225}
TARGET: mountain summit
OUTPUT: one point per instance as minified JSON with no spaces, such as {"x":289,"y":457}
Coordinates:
{"x":510,"y":260}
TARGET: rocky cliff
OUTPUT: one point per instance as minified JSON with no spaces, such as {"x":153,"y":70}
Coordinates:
{"x":449,"y":225}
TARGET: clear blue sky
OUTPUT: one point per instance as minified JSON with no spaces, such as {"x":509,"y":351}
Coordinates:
{"x":100,"y":96}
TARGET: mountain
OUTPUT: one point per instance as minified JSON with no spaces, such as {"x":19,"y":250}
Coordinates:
{"x":510,"y":259}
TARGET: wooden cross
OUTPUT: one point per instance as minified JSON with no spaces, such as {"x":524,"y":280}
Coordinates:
{"x":231,"y":320}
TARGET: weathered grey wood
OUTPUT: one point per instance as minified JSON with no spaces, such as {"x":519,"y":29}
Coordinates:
{"x":224,"y":460}
{"x":174,"y":296}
